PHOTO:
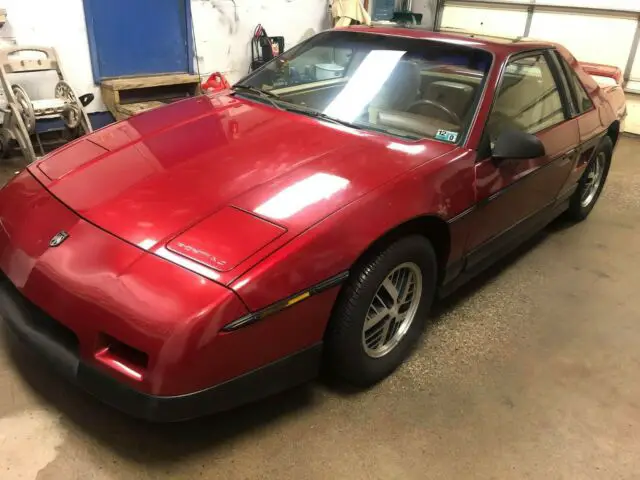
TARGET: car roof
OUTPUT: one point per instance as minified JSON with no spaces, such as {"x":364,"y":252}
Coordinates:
{"x":493,"y":44}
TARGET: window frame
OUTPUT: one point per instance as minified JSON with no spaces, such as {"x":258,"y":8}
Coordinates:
{"x":484,"y":147}
{"x":569,"y":94}
{"x":570,"y":74}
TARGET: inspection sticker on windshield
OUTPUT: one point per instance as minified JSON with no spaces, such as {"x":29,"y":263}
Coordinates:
{"x":446,"y":135}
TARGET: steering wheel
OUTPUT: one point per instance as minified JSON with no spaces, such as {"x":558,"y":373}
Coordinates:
{"x":452,"y":115}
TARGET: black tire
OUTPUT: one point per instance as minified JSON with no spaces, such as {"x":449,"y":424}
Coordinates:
{"x":344,"y":349}
{"x":577,"y":210}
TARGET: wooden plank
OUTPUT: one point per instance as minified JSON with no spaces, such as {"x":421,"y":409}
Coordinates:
{"x":110,"y":99}
{"x":127,"y":83}
{"x":136,"y":108}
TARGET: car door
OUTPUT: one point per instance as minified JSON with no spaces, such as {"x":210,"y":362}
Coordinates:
{"x":587,"y":117}
{"x":510,"y":193}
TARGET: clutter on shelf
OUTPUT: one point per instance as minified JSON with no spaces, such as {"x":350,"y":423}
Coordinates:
{"x":216,"y":83}
{"x":405,"y":15}
{"x":349,"y":12}
{"x":264,"y":47}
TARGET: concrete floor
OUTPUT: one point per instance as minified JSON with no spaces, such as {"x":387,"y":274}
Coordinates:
{"x":532,"y":371}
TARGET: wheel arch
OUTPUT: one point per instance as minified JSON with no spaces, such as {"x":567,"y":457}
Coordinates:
{"x":431,"y":227}
{"x":613,"y":132}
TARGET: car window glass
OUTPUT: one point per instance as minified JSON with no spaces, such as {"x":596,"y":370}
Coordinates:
{"x":583,"y":100}
{"x":321,"y":62}
{"x":405,"y":87}
{"x":528,"y":98}
{"x":580,"y":96}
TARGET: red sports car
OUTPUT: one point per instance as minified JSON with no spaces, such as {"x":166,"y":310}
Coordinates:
{"x":220,"y":248}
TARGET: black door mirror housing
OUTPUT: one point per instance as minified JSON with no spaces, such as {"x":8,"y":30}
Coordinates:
{"x":86,"y":99}
{"x":515,"y":144}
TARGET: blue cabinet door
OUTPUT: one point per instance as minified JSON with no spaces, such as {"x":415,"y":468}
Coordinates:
{"x":383,"y":9}
{"x":138,"y":37}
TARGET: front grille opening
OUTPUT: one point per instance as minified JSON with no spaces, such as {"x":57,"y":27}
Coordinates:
{"x":122,"y":357}
{"x":128,"y":354}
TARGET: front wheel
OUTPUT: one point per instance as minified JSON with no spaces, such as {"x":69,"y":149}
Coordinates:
{"x":592,"y":182}
{"x":380,"y":313}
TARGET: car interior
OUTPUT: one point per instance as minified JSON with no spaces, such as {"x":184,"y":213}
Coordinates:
{"x":528,"y":99}
{"x":418,"y":98}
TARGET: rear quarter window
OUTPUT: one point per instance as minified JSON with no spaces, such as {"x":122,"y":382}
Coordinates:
{"x":583,"y":101}
{"x":581,"y":98}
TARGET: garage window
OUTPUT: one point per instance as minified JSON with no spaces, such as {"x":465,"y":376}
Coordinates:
{"x":528,"y":98}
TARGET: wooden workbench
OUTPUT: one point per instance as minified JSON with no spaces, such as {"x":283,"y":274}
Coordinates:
{"x":127,"y":96}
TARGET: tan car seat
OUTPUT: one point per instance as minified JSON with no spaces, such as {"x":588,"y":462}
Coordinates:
{"x":456,"y":96}
{"x":513,"y":107}
{"x":401,"y":89}
{"x":532,"y":104}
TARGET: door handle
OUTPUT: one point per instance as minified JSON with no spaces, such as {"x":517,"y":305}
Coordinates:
{"x":569,"y":156}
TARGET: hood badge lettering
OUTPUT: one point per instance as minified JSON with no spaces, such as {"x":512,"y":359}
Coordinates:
{"x":58,"y":238}
{"x":202,"y":253}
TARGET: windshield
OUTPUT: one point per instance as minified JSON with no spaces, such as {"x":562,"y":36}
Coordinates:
{"x":407,"y":87}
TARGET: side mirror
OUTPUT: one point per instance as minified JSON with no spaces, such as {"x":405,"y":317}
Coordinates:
{"x":515,"y":144}
{"x":86,"y":99}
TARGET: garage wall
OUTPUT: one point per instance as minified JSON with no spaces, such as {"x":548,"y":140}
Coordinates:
{"x":502,"y":21}
{"x":591,"y":35}
{"x":223,"y":29}
{"x":583,"y":35}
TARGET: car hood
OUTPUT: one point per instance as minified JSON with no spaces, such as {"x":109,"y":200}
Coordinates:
{"x":158,"y":174}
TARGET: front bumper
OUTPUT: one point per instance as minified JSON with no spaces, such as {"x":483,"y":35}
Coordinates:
{"x":57,"y":345}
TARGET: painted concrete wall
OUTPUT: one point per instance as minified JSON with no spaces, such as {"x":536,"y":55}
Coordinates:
{"x":223,"y":29}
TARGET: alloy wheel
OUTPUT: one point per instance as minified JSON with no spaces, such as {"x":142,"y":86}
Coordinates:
{"x":594,"y":175}
{"x":392,"y":310}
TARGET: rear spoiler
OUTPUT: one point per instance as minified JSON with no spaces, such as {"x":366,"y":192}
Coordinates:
{"x":602,"y":73}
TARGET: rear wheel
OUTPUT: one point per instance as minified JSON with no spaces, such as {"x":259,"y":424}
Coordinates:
{"x":381,"y":311}
{"x":592,"y":182}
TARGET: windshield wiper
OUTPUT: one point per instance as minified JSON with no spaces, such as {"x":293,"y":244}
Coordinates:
{"x":322,"y":116}
{"x":268,"y":96}
{"x":271,"y":98}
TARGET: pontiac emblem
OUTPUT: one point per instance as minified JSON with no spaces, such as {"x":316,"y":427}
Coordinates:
{"x":58,"y":238}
